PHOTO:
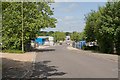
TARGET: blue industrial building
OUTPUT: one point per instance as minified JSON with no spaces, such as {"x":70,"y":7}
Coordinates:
{"x":44,"y":40}
{"x":40,"y":41}
{"x":80,"y":44}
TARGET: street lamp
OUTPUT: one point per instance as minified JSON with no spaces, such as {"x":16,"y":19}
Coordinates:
{"x":22,"y":29}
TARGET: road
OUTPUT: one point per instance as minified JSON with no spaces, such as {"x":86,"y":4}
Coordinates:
{"x":60,"y":62}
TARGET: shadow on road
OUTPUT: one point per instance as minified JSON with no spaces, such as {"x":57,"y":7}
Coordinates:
{"x":18,"y":69}
{"x":43,"y":70}
{"x":42,"y":50}
{"x":14,"y":69}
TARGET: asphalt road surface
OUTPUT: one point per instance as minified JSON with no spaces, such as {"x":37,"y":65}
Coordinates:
{"x":60,"y":62}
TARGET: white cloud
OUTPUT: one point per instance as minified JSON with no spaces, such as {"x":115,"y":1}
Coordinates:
{"x":82,"y":0}
{"x":68,"y":17}
{"x":70,"y":8}
{"x":56,"y":5}
{"x":69,"y":23}
{"x":59,"y":20}
{"x":73,"y":5}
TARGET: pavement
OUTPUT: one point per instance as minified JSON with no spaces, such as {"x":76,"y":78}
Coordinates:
{"x":111,"y":57}
{"x":26,"y":57}
{"x":16,"y":65}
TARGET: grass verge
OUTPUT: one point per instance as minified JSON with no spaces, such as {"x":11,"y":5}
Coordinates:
{"x":12,"y":51}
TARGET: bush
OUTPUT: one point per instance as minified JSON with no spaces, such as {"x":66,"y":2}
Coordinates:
{"x":84,"y":47}
{"x":95,"y":48}
{"x":117,"y":42}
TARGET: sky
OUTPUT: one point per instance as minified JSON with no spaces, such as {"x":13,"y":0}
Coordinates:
{"x":71,"y":15}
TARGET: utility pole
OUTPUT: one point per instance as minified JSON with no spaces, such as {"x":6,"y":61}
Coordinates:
{"x":22,"y":30}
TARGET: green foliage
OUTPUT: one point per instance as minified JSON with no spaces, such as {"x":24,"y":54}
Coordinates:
{"x":82,"y":36}
{"x":75,"y":36}
{"x":67,"y":33}
{"x":103,"y":26}
{"x":59,"y":36}
{"x":12,"y":51}
{"x":89,"y":28}
{"x":0,"y":23}
{"x":43,"y":33}
{"x":117,"y":41}
{"x":11,"y":25}
{"x":35,"y":16}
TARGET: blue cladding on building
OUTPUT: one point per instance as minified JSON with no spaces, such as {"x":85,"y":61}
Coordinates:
{"x":80,"y":44}
{"x":40,"y":41}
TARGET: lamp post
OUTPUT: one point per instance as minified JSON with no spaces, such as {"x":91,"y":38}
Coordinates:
{"x":22,"y":29}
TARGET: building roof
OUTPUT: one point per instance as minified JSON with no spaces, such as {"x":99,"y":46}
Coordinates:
{"x":43,"y":37}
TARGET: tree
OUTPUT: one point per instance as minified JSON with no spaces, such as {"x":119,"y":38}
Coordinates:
{"x":82,"y":36}
{"x":44,"y":33}
{"x":90,"y":24}
{"x":50,"y":33}
{"x":117,"y":41}
{"x":75,"y":36}
{"x":67,"y":33}
{"x":0,"y":12}
{"x":11,"y":25}
{"x":59,"y":36}
{"x":35,"y":16}
{"x":104,"y":25}
{"x":116,"y":21}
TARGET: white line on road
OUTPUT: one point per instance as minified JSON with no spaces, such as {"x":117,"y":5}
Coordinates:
{"x":33,"y":65}
{"x":34,"y":60}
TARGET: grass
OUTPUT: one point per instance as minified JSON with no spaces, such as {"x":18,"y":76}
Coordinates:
{"x":13,"y":51}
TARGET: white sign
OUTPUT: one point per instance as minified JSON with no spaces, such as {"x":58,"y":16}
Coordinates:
{"x":51,"y":38}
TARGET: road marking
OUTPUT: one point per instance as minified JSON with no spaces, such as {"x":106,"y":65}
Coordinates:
{"x":34,"y":60}
{"x":33,"y":63}
{"x":33,"y":66}
{"x":34,"y":57}
{"x":25,"y":73}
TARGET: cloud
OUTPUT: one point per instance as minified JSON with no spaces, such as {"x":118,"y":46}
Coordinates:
{"x":69,"y":23}
{"x":56,"y":5}
{"x":68,"y":17}
{"x":59,"y":20}
{"x":73,"y":5}
{"x":70,"y":8}
{"x":82,"y":0}
{"x":65,"y":19}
